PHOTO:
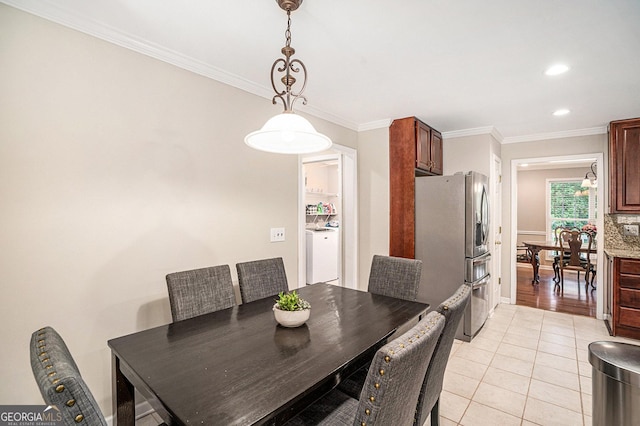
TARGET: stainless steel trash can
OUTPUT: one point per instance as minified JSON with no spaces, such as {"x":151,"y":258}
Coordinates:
{"x":616,"y":383}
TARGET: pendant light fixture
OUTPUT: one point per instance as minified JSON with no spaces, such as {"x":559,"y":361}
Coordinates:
{"x":590,"y":181}
{"x":288,"y":133}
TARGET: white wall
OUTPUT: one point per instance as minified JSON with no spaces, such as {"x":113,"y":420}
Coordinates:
{"x":373,"y":191}
{"x":468,"y":153}
{"x":116,"y":169}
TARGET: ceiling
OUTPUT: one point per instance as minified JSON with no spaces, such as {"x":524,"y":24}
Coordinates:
{"x":463,"y":67}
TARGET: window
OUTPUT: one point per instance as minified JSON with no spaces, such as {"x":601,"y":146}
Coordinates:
{"x":569,"y":205}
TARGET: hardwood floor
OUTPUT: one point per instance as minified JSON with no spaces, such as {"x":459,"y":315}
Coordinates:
{"x":573,"y":300}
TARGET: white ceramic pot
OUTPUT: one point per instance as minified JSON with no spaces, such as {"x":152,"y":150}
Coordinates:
{"x":291,"y":318}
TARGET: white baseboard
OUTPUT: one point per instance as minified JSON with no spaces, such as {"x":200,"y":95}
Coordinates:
{"x":505,"y":300}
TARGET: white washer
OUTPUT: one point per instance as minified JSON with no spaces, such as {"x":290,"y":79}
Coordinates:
{"x":322,"y":255}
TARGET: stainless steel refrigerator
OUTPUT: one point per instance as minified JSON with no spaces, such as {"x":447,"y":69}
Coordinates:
{"x":451,"y":239}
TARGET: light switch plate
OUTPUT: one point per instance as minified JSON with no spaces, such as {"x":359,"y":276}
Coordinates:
{"x":277,"y":235}
{"x":630,"y":230}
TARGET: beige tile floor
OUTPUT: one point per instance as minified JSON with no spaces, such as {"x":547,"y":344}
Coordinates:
{"x":526,"y":367}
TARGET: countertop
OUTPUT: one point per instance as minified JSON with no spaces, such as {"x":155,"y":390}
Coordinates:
{"x":631,"y":254}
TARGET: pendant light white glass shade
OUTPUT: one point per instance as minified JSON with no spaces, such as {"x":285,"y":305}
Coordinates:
{"x":288,"y":133}
{"x":586,"y":183}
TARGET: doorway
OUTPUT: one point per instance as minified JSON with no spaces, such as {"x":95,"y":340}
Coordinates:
{"x":328,"y":200}
{"x":525,"y":199}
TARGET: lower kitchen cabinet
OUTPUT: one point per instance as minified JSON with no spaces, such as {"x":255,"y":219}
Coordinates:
{"x":625,"y":303}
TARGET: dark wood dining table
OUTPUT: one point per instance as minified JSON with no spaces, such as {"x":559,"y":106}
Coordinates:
{"x":536,"y":246}
{"x":239,"y":367}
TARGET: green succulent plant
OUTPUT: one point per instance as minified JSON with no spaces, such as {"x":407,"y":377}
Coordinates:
{"x":291,"y":302}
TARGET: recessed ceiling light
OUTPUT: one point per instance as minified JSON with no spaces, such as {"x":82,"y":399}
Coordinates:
{"x":561,"y":112}
{"x":556,"y":69}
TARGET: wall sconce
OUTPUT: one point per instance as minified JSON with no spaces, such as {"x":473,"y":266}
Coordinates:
{"x":288,"y":133}
{"x":590,"y":182}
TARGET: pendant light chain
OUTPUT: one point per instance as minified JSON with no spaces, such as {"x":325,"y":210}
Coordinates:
{"x":287,"y":33}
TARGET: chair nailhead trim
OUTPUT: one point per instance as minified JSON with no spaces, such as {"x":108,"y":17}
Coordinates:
{"x":60,"y":388}
{"x":381,"y":372}
{"x":367,"y":411}
{"x":71,"y":403}
{"x":79,"y":418}
{"x":377,"y":385}
{"x":372,"y":398}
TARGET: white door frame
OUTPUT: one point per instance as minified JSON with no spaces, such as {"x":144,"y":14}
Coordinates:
{"x":496,"y":208}
{"x":599,"y":222}
{"x":348,"y":273}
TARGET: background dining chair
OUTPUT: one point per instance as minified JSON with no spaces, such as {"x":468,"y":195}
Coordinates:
{"x":571,"y":242}
{"x":200,"y":291}
{"x":429,"y":400}
{"x":395,"y":276}
{"x":392,"y":385}
{"x":523,"y":254}
{"x":59,"y":380}
{"x":261,"y":278}
{"x":558,"y":254}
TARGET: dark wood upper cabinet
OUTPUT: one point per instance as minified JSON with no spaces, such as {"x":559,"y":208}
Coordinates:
{"x":415,"y":149}
{"x":436,"y":152}
{"x":624,"y":165}
{"x":428,"y":147}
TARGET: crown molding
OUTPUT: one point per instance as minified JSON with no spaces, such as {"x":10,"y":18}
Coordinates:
{"x":556,"y":135}
{"x":487,"y":130}
{"x":373,"y":125}
{"x":46,"y":10}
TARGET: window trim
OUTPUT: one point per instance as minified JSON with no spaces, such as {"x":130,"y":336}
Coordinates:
{"x":548,"y":219}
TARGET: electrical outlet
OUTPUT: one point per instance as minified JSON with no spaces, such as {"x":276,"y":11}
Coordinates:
{"x":277,"y":235}
{"x":630,"y":230}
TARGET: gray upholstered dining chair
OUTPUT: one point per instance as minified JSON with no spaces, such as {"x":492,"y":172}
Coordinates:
{"x":391,"y":387}
{"x":395,"y":276}
{"x":261,"y":278}
{"x":200,"y":291}
{"x":59,"y":380}
{"x":428,"y":402}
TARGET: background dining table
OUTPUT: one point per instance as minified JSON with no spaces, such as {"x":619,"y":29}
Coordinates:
{"x":239,"y":367}
{"x":537,"y":246}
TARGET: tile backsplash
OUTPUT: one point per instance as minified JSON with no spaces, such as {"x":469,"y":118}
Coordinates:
{"x":613,"y":238}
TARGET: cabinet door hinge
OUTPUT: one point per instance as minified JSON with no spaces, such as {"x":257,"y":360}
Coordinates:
{"x":499,"y":280}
